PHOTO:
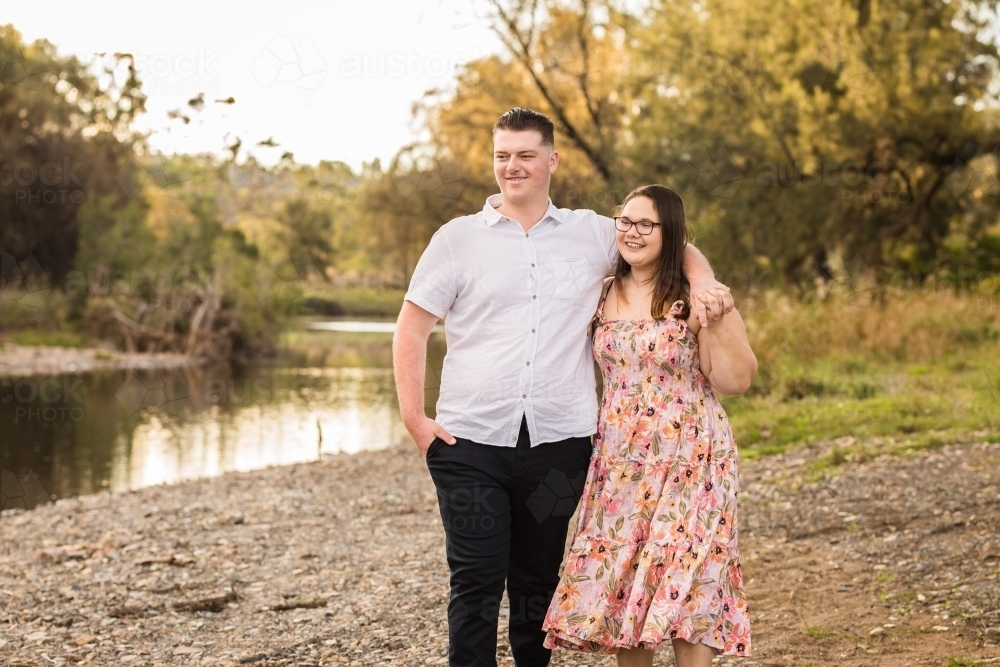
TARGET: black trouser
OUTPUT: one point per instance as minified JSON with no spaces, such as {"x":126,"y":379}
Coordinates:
{"x":505,"y":512}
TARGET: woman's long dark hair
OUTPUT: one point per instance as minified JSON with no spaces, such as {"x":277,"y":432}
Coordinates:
{"x":670,"y":284}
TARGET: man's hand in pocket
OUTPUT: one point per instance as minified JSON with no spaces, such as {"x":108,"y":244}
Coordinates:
{"x":423,"y":431}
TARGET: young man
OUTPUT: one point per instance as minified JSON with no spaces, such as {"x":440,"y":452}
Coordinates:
{"x":509,"y":449}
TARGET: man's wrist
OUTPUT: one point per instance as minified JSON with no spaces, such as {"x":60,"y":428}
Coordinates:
{"x":702,"y":284}
{"x":696,"y":268}
{"x":413,"y":418}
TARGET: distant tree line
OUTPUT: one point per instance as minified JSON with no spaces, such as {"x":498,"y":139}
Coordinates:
{"x":811,"y":141}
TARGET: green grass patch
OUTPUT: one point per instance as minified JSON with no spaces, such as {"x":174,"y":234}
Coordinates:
{"x":963,"y":662}
{"x":818,"y":632}
{"x":870,"y":407}
{"x":869,"y":379}
{"x":47,"y":338}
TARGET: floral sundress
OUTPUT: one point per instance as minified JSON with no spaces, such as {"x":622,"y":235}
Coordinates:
{"x":655,"y":554}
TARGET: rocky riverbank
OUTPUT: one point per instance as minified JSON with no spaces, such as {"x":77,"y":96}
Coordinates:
{"x":23,"y":361}
{"x":891,"y":562}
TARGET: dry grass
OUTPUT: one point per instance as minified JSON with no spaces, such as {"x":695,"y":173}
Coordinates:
{"x":871,"y":372}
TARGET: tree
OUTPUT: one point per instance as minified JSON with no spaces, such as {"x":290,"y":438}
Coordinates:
{"x":805,"y":136}
{"x":843,"y":123}
{"x":307,"y":233}
{"x":64,"y":135}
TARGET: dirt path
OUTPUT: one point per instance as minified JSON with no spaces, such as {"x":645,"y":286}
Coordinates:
{"x":893,"y":562}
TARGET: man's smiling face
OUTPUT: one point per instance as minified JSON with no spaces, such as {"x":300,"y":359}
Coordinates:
{"x":523,"y":165}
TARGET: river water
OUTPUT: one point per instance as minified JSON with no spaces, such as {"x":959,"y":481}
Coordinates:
{"x":329,"y":391}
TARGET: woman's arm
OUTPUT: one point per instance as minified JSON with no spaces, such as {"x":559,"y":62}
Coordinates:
{"x":710,"y":299}
{"x":725,"y":356}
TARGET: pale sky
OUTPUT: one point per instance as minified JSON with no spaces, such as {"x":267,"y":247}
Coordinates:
{"x":328,"y":80}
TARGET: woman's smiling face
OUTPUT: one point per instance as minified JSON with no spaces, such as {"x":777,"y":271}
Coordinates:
{"x":640,"y":250}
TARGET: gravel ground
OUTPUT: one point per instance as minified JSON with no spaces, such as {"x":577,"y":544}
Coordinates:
{"x":891,"y":562}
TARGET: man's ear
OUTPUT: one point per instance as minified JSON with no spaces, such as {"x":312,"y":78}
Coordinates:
{"x":553,"y":161}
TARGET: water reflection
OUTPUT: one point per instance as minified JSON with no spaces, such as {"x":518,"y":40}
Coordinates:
{"x":328,"y":392}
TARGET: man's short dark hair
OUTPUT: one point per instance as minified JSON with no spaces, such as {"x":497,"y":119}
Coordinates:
{"x":520,"y":119}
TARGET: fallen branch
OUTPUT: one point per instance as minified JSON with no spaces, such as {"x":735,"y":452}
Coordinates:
{"x":213,"y":603}
{"x":298,"y":604}
{"x":81,"y":551}
{"x":132,"y":610}
{"x":179,"y":560}
{"x":166,"y":589}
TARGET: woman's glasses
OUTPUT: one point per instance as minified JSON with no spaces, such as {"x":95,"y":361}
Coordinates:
{"x":644,"y":227}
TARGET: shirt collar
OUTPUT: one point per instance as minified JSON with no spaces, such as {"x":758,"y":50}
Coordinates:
{"x":493,"y":216}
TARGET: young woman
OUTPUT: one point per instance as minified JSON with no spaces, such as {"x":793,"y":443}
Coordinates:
{"x":655,"y":557}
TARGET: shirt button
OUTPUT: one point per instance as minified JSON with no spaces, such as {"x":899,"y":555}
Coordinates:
{"x":526,"y":234}
{"x":532,"y":331}
{"x":532,"y":266}
{"x":527,"y":363}
{"x":534,"y":296}
{"x":524,"y":396}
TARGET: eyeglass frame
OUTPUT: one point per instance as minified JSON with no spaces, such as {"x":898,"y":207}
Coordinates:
{"x":635,"y":223}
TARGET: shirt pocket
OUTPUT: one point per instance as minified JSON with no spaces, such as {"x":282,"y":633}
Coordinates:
{"x":569,"y":277}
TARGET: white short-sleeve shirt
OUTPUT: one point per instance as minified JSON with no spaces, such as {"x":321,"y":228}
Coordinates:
{"x":517,"y":307}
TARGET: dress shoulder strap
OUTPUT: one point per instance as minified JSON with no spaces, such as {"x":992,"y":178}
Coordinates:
{"x":599,"y":314}
{"x":608,"y":282}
